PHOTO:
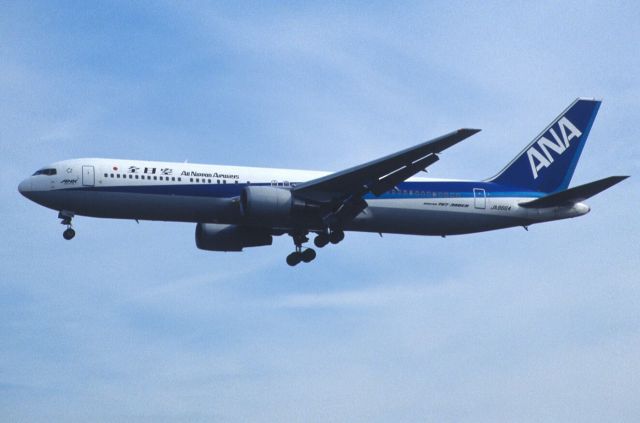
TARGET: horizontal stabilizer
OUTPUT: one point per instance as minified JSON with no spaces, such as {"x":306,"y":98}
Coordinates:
{"x":575,"y":194}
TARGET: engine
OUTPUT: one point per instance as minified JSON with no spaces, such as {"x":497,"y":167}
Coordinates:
{"x":217,"y":237}
{"x":272,"y":205}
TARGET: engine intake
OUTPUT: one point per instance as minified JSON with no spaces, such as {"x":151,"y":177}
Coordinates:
{"x":217,"y":237}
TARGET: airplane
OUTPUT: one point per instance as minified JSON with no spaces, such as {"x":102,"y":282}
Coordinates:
{"x":238,"y":207}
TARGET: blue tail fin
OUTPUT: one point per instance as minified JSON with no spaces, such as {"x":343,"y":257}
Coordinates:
{"x":547,"y":163}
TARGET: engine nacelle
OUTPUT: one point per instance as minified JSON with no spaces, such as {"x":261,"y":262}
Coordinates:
{"x":217,"y":237}
{"x":267,"y":204}
{"x":271,"y":205}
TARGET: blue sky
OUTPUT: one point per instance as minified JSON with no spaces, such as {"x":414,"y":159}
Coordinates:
{"x":130,"y":322}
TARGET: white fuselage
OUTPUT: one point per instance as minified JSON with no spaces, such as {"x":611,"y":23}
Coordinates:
{"x":186,"y":192}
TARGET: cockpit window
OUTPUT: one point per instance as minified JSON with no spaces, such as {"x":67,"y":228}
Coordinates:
{"x":48,"y":172}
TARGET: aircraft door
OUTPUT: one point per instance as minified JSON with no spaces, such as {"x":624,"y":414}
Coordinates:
{"x":88,"y":176}
{"x":479,"y":198}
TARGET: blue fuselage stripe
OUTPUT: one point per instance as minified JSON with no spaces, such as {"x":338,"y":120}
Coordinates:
{"x":439,"y":189}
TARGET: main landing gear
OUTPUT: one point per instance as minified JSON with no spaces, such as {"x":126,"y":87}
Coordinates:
{"x":66,"y":217}
{"x":300,"y":255}
{"x":306,"y":255}
{"x":324,"y":238}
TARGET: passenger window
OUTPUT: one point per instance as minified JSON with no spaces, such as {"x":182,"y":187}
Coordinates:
{"x":118,"y":175}
{"x":224,"y":181}
{"x":218,"y":180}
{"x":173,"y":178}
{"x":106,"y":176}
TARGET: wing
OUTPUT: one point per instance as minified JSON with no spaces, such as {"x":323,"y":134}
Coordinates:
{"x":381,"y":175}
{"x":340,"y":195}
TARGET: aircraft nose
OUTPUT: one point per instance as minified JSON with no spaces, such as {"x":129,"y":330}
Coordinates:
{"x":25,"y":187}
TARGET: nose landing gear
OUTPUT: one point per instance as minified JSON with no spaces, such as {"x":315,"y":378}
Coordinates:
{"x":66,"y":217}
{"x":68,"y":234}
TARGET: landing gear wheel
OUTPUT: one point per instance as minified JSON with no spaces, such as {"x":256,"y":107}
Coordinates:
{"x":321,"y":240}
{"x":66,"y":217}
{"x":303,"y":254}
{"x":336,"y":236}
{"x":308,"y":255}
{"x":294,"y":258}
{"x":68,"y":234}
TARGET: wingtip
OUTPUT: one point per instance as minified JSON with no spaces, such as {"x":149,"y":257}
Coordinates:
{"x":469,"y":131}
